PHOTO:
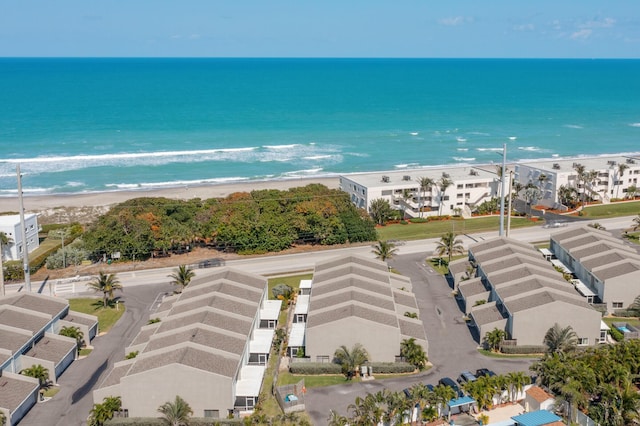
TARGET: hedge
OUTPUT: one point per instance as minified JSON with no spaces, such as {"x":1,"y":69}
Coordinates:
{"x":418,"y":220}
{"x":313,"y":368}
{"x":625,"y":313}
{"x":616,"y":334}
{"x":151,"y":421}
{"x":523,"y":349}
{"x":392,"y":367}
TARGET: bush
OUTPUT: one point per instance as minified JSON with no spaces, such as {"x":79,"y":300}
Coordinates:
{"x":625,"y":313}
{"x":404,"y":222}
{"x":419,"y":220}
{"x":312,"y":368}
{"x":392,"y":367}
{"x":523,"y":349}
{"x":616,"y":334}
{"x":150,"y":421}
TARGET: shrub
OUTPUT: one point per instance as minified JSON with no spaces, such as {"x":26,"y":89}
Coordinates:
{"x":419,"y":220}
{"x":523,"y":349}
{"x":150,"y":421}
{"x":480,"y":302}
{"x":392,"y":367}
{"x":616,"y":334}
{"x":625,"y":313}
{"x":315,"y":368}
{"x":404,"y":222}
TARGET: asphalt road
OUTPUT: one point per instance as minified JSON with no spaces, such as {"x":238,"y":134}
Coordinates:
{"x":72,"y":404}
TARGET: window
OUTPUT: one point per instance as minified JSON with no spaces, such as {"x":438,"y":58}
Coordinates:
{"x":583,"y":341}
{"x":459,"y":186}
{"x":212,"y":414}
{"x":617,"y":305}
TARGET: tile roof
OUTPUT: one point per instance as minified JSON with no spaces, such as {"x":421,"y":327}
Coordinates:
{"x":14,"y":391}
{"x":51,"y":349}
{"x":539,"y":394}
{"x":225,"y":365}
{"x":354,"y":310}
{"x":36,"y":302}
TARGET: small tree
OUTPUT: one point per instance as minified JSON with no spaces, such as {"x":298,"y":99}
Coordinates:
{"x":175,"y":413}
{"x":283,"y":292}
{"x":449,"y":246}
{"x":413,"y":353}
{"x":351,"y":359}
{"x":105,"y":284}
{"x":560,"y":340}
{"x":74,"y":333}
{"x":181,"y":277}
{"x":37,"y":372}
{"x":493,"y":339}
{"x":100,"y":413}
{"x":384,"y":250}
{"x":380,"y":211}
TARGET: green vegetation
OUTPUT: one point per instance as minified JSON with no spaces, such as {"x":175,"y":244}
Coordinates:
{"x":286,"y":378}
{"x":106,"y":284}
{"x":85,"y":352}
{"x":244,"y":222}
{"x":602,"y":211}
{"x":436,"y":228}
{"x":292,"y":281}
{"x":635,"y":322}
{"x":107,"y":317}
{"x":51,"y":392}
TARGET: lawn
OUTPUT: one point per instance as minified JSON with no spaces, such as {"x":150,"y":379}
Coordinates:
{"x":631,"y":321}
{"x":107,"y":317}
{"x":435,"y":229}
{"x":602,"y":211}
{"x":292,"y":281}
{"x":312,"y":381}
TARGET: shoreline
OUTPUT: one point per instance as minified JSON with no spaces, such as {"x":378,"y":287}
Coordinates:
{"x":40,"y":203}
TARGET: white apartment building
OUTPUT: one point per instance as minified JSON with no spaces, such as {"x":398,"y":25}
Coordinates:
{"x":10,"y":225}
{"x":613,"y":175}
{"x":470,"y":186}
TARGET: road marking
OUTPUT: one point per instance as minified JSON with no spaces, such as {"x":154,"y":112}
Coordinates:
{"x":156,"y":303}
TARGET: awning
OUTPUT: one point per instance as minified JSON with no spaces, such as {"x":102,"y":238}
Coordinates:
{"x":536,"y":418}
{"x":465,"y":400}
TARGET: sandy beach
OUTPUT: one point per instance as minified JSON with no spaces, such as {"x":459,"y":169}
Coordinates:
{"x":56,"y":205}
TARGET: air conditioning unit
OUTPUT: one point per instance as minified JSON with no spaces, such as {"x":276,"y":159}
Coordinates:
{"x":406,"y":177}
{"x":385,"y":179}
{"x":556,"y":166}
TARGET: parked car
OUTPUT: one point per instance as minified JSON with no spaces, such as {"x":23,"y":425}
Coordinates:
{"x":481,"y":372}
{"x":466,"y":377}
{"x":447,"y":381}
{"x":209,"y":263}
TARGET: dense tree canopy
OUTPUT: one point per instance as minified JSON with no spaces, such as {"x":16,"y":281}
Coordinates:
{"x":245,"y":222}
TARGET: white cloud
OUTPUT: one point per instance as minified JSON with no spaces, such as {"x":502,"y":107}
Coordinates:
{"x":582,"y":34}
{"x":524,"y":27}
{"x":194,"y":36}
{"x":598,"y":23}
{"x":455,"y":21}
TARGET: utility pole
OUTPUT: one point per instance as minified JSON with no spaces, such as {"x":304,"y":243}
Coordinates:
{"x":2,"y":293}
{"x":23,"y":231}
{"x":509,"y":208}
{"x":502,"y":187}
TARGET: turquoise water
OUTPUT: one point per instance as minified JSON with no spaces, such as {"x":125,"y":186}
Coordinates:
{"x":82,"y":125}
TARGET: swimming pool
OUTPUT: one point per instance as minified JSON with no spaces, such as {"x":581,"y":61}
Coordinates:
{"x":624,"y":329}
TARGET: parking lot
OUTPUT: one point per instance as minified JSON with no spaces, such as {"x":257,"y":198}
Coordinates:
{"x":451,"y":346}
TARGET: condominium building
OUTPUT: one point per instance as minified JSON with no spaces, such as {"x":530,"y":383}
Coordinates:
{"x":10,"y":226}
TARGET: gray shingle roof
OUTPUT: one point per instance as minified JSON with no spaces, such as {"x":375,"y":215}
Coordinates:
{"x":360,"y":260}
{"x":579,"y":242}
{"x":498,"y":242}
{"x":607,"y":272}
{"x":471,"y":287}
{"x":514,"y":273}
{"x":338,"y":284}
{"x":542,"y":297}
{"x":116,"y":374}
{"x":412,"y":328}
{"x":51,"y":349}
{"x":200,"y":335}
{"x":36,"y":302}
{"x":506,"y":262}
{"x":145,"y":333}
{"x":533,"y":283}
{"x":342,"y":270}
{"x":601,"y":247}
{"x":459,"y":266}
{"x":354,"y":310}
{"x":486,"y":314}
{"x":14,"y":391}
{"x":13,"y":341}
{"x":569,"y":233}
{"x":603,"y":259}
{"x":208,"y":316}
{"x":404,"y":298}
{"x":232,"y":274}
{"x":21,"y":319}
{"x":189,"y":356}
{"x":224,"y":287}
{"x":351,"y":294}
{"x":219,"y":301}
{"x":503,"y":251}
{"x":81,"y":319}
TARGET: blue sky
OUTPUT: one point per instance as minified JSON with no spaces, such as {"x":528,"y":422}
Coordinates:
{"x":329,"y":28}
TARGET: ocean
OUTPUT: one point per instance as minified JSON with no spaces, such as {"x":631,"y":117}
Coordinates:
{"x":90,"y":125}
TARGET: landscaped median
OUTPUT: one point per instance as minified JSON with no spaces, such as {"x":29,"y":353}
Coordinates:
{"x":107,"y":316}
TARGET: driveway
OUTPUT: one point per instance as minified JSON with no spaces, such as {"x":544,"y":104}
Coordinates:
{"x":451,"y":346}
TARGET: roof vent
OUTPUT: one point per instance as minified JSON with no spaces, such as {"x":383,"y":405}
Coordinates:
{"x":446,"y":175}
{"x":556,"y":166}
{"x":473,"y":172}
{"x":631,"y":161}
{"x":406,"y":177}
{"x":385,"y":179}
{"x":611,"y":162}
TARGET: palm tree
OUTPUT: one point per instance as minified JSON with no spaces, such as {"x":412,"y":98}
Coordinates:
{"x":449,"y":246}
{"x":384,"y":250}
{"x":181,"y":277}
{"x":442,"y":396}
{"x":560,"y":340}
{"x":380,"y":210}
{"x":413,"y":353}
{"x":351,"y":359}
{"x":4,"y":241}
{"x":3,"y":419}
{"x":37,"y":372}
{"x":443,"y":184}
{"x":636,"y":221}
{"x":336,"y":419}
{"x":517,"y":380}
{"x":100,"y":413}
{"x":570,"y":394}
{"x":175,"y":413}
{"x":621,"y":168}
{"x":494,"y":339}
{"x":631,"y":191}
{"x":426,"y":183}
{"x":74,"y":333}
{"x":105,"y":284}
{"x":580,"y":169}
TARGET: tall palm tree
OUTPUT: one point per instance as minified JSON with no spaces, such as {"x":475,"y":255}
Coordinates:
{"x":4,"y":241}
{"x":494,"y":338}
{"x":426,"y":183}
{"x":384,"y":250}
{"x":443,"y":184}
{"x":636,"y":222}
{"x":351,"y":359}
{"x":413,"y":353}
{"x":570,"y":394}
{"x":105,"y":284}
{"x":449,"y":246}
{"x":74,"y":333}
{"x":621,"y":168}
{"x":560,"y":340}
{"x":336,"y":419}
{"x":37,"y":372}
{"x":517,"y":380}
{"x":181,"y":277}
{"x":442,"y":395}
{"x":175,"y":413}
{"x":102,"y":412}
{"x":580,"y":170}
